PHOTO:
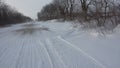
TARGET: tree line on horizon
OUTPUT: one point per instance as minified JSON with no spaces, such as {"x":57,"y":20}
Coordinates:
{"x":10,"y":16}
{"x":100,"y":11}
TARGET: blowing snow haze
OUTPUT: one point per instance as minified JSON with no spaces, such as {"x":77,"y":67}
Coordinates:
{"x":28,"y":7}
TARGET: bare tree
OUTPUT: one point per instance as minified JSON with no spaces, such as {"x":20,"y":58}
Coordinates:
{"x":72,"y":5}
{"x":63,"y":5}
{"x":66,"y":7}
{"x":85,"y":6}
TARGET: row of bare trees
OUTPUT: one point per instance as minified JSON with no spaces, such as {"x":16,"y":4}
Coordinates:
{"x":100,"y":11}
{"x":56,"y":10}
{"x":10,"y":16}
{"x":105,"y":11}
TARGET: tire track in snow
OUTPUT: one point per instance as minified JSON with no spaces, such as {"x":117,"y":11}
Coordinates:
{"x":9,"y":52}
{"x":52,"y":56}
{"x":36,"y":54}
{"x":17,"y":49}
{"x":50,"y":44}
{"x":48,"y":54}
{"x":80,"y":50}
{"x":41,"y":46}
{"x":20,"y":53}
{"x":4,"y":46}
{"x":32,"y":53}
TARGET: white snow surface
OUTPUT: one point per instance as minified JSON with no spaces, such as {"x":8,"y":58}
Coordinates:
{"x":57,"y":45}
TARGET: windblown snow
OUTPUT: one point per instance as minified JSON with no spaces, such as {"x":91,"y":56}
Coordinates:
{"x":57,"y":45}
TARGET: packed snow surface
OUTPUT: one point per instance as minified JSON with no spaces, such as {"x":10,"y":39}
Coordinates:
{"x":57,"y":45}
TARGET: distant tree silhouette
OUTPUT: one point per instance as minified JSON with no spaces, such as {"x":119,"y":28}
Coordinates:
{"x":50,"y":11}
{"x":10,"y":16}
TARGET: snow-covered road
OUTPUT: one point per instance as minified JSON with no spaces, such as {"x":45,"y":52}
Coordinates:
{"x":56,"y":45}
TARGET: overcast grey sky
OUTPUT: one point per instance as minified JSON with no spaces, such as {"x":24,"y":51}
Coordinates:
{"x":28,"y":7}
